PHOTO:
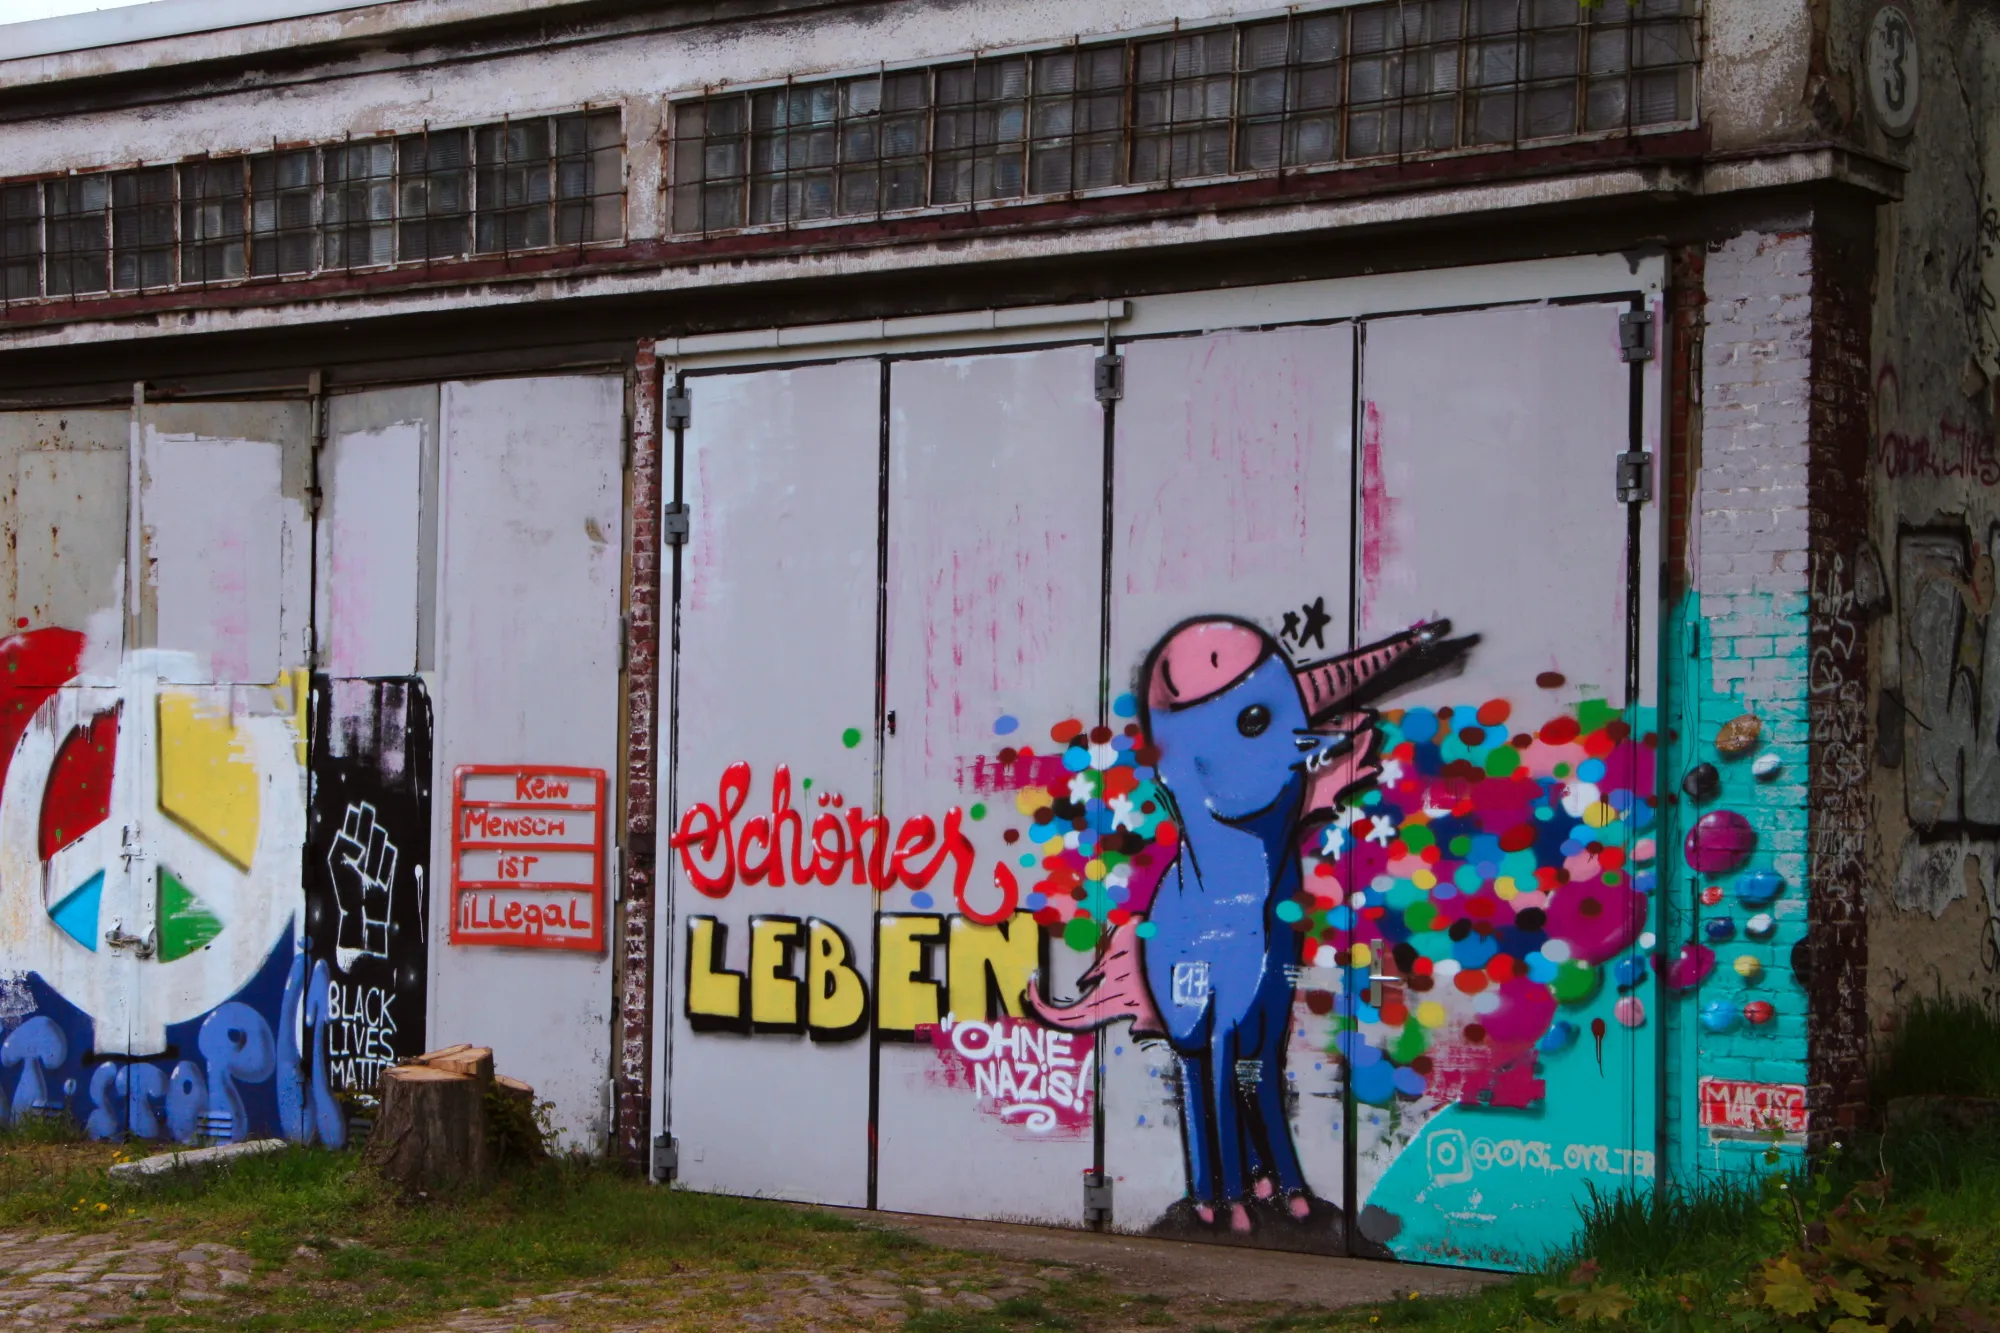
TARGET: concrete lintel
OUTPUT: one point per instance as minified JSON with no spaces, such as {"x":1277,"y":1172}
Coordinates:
{"x":831,"y":259}
{"x":1810,"y":165}
{"x":835,"y":261}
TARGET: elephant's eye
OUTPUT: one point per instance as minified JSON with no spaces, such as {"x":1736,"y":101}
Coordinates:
{"x":1253,"y":720}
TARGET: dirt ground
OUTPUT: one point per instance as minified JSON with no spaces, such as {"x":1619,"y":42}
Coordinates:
{"x":1186,"y":1270}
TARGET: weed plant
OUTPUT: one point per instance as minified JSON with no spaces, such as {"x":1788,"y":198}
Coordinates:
{"x":1942,"y":1044}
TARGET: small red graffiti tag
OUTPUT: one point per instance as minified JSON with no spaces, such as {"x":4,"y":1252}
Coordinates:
{"x":1961,"y":451}
{"x":776,"y":848}
{"x":1734,"y":1104}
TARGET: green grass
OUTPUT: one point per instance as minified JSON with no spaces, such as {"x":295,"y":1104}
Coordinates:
{"x":381,"y":1261}
{"x":1946,"y":1044}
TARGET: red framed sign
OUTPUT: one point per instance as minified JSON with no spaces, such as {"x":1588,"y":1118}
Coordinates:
{"x":527,"y":856}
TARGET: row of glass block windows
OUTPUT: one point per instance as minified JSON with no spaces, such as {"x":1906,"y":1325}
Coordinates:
{"x":1311,"y":88}
{"x":525,"y":184}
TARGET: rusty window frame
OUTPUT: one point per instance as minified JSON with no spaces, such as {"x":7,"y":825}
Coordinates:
{"x":1183,"y":105}
{"x":1076,"y":118}
{"x":513,"y":186}
{"x":541,"y":182}
{"x":358,"y":204}
{"x":215,"y":220}
{"x":77,"y":234}
{"x":20,"y":242}
{"x":979,"y":130}
{"x":284,"y":213}
{"x":434,"y":195}
{"x":145,"y":229}
{"x":589,"y":176}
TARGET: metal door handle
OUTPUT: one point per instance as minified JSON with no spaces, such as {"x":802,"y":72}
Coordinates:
{"x":1375,"y":989}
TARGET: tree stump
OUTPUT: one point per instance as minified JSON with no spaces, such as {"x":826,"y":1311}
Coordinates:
{"x":431,"y":1131}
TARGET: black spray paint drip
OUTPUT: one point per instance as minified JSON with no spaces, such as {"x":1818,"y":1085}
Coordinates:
{"x":1597,"y":1032}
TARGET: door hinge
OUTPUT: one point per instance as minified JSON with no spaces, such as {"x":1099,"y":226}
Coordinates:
{"x":624,"y":640}
{"x":1096,"y":1199}
{"x":674,"y":525}
{"x":1110,"y":377}
{"x":1635,"y":477}
{"x":678,"y":407}
{"x":1635,"y":335}
{"x":666,"y":1157}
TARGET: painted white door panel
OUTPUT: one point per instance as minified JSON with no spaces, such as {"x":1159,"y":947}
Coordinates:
{"x":378,"y":473}
{"x":529,"y":586}
{"x":226,"y":539}
{"x":781,"y":472}
{"x":995,"y":612}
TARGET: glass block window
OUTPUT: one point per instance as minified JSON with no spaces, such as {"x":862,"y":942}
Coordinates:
{"x":20,"y":242}
{"x":885,"y":124}
{"x":78,"y":224}
{"x":803,"y":152}
{"x":711,"y":148}
{"x":142,"y":229}
{"x":551,"y":180}
{"x":980,"y":138}
{"x":590,"y":178}
{"x":1402,"y":90}
{"x":516,"y":187}
{"x":433,"y":195}
{"x":214,"y":218}
{"x":1077,"y":120}
{"x":1288,"y":92}
{"x":794,"y":139}
{"x":1639,"y":67}
{"x":1310,"y":89}
{"x":283,"y":226}
{"x":358,"y":205}
{"x":1184,"y":91}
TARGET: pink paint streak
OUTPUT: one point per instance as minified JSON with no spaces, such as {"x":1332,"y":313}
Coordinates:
{"x":1378,"y":511}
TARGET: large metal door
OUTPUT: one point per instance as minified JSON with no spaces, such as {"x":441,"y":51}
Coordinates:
{"x":770,"y":936}
{"x":1498,"y":877}
{"x":995,"y":596}
{"x":1319,"y":817}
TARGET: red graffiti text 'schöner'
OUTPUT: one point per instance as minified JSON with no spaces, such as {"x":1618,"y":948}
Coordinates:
{"x":776,"y":848}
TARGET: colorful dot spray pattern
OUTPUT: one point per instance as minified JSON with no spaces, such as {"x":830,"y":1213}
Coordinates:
{"x":1095,"y":837}
{"x":1489,"y":877}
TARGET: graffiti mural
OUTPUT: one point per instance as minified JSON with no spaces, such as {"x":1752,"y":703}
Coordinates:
{"x":1251,"y":824}
{"x":367,"y":877}
{"x":160,"y":980}
{"x":1247,"y":749}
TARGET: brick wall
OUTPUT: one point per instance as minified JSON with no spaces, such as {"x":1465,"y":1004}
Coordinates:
{"x":1835,"y":962}
{"x":1738,"y":643}
{"x":642,"y":676}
